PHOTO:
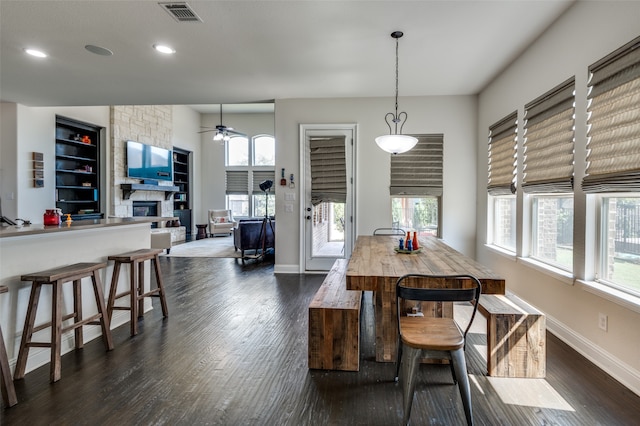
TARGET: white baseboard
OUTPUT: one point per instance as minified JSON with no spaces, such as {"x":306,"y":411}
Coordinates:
{"x":617,"y":369}
{"x":286,"y":269}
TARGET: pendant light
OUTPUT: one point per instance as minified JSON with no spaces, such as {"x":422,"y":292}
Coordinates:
{"x":395,"y":142}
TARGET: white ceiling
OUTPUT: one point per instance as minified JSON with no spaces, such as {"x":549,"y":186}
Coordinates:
{"x":247,"y":51}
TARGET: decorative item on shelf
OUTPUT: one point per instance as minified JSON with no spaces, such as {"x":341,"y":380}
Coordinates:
{"x":86,"y":184}
{"x":69,"y":220}
{"x":86,"y":139}
{"x":395,"y":142}
{"x":75,"y":137}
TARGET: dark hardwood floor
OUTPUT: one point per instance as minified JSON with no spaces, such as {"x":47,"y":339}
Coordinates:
{"x":234,"y":352}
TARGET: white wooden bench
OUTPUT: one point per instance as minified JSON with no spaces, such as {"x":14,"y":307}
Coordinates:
{"x":334,"y":323}
{"x":516,"y":337}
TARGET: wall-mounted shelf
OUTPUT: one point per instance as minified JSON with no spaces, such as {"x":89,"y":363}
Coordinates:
{"x":130,"y":188}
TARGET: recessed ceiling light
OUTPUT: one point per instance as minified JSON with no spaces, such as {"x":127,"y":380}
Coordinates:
{"x":35,"y":52}
{"x":163,"y":48}
{"x":102,"y":51}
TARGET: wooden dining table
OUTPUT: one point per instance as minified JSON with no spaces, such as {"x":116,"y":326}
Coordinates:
{"x":375,"y":266}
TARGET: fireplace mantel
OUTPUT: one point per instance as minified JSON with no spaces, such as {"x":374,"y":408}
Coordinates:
{"x":130,"y":188}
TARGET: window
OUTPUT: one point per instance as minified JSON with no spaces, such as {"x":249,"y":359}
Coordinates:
{"x":416,"y":186}
{"x":243,"y":177}
{"x":420,"y":214}
{"x":549,"y":127}
{"x":613,"y":164}
{"x":501,"y":181}
{"x":238,"y":151}
{"x":504,"y":222}
{"x":264,"y":152}
{"x":552,"y":230}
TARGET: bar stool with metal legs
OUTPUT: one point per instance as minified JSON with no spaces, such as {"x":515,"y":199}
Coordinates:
{"x":8,"y":391}
{"x":56,"y":277}
{"x":136,"y":292}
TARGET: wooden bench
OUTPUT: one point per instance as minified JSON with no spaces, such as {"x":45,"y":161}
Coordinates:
{"x":334,"y":323}
{"x":516,"y":337}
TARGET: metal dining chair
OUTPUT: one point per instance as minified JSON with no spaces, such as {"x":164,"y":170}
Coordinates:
{"x":423,"y":335}
{"x":389,"y":231}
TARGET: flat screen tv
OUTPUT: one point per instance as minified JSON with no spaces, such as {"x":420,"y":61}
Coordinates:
{"x":149,"y":162}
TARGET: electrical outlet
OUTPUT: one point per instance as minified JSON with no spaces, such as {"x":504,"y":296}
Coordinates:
{"x":603,"y":321}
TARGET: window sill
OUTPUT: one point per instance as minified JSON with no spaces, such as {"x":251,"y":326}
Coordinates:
{"x":611,"y":294}
{"x":557,"y":273}
{"x":501,"y":251}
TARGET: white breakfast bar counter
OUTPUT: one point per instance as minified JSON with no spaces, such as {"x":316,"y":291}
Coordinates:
{"x":33,"y":248}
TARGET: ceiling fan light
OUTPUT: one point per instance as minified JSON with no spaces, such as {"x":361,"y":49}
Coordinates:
{"x":218,"y":136}
{"x":396,"y":144}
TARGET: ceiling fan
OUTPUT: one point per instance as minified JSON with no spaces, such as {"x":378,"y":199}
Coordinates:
{"x":223,"y":133}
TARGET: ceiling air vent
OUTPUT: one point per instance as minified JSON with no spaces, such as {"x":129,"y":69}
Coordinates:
{"x":181,"y":12}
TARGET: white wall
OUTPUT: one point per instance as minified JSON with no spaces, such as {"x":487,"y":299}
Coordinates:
{"x":585,"y":33}
{"x":35,"y":132}
{"x":8,"y":157}
{"x":186,"y":124}
{"x":454,"y":116}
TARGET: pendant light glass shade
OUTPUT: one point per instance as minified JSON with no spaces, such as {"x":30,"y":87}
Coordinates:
{"x":395,"y":142}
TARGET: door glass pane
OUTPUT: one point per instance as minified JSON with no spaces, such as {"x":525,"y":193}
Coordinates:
{"x":327,"y":222}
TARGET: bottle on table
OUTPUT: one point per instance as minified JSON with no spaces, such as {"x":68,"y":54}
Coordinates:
{"x":415,"y":241}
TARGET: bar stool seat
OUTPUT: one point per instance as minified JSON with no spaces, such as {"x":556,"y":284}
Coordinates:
{"x":8,"y":391}
{"x":136,"y":292}
{"x":56,"y":277}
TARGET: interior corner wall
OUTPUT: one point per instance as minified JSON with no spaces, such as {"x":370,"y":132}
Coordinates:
{"x":585,"y":33}
{"x":186,"y":124}
{"x":453,"y":116}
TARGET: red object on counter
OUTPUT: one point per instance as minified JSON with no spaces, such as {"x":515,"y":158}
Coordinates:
{"x":51,"y":217}
{"x":415,"y":241}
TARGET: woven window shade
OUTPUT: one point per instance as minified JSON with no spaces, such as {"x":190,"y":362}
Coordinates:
{"x":503,"y":140}
{"x":328,"y":170}
{"x":549,"y":139}
{"x":613,"y":156}
{"x":260,"y":176}
{"x":418,"y":171}
{"x":237,"y":181}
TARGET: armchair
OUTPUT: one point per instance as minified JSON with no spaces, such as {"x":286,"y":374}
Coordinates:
{"x":220,"y":222}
